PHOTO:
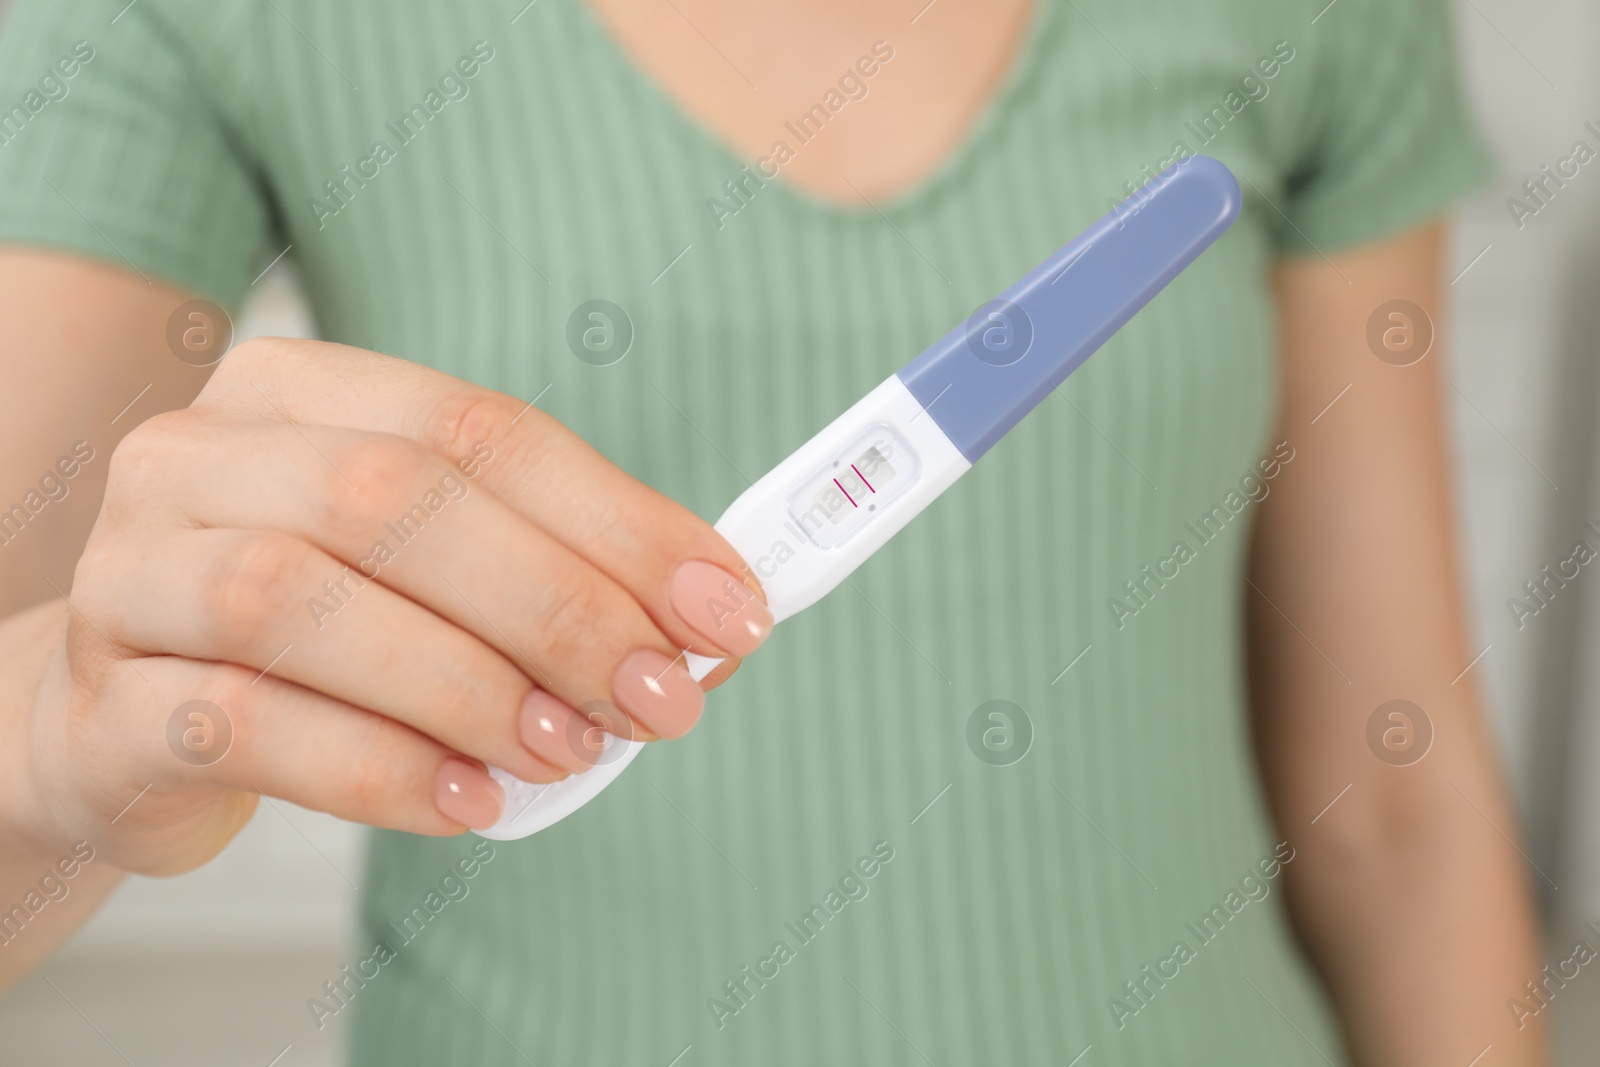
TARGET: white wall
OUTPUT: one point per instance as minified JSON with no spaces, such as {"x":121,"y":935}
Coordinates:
{"x":1525,"y":346}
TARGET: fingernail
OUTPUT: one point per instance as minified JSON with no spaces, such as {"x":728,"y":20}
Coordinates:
{"x":464,"y":792}
{"x":554,"y":732}
{"x":658,"y":692}
{"x":718,"y":607}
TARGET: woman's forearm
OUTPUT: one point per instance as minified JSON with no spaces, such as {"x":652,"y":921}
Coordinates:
{"x":46,"y":894}
{"x":1421,"y":925}
{"x":1408,"y":890}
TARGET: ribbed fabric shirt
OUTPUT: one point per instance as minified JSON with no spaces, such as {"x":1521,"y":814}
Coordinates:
{"x":858,"y":856}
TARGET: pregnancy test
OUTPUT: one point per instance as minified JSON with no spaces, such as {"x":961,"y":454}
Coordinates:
{"x":818,"y":515}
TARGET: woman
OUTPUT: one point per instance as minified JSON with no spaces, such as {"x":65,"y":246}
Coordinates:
{"x":775,"y":209}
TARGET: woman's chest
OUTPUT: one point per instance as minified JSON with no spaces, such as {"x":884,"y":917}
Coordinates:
{"x":524,"y":209}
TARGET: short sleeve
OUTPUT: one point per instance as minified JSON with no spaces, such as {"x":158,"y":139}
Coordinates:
{"x":1389,"y":141}
{"x":110,"y":147}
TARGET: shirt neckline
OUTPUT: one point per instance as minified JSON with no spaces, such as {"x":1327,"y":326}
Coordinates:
{"x":1023,"y":63}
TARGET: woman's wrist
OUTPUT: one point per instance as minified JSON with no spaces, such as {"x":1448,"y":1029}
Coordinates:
{"x":32,"y":665}
{"x":50,"y":881}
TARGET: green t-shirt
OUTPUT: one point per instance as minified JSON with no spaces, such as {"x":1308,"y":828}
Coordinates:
{"x":855,"y":858}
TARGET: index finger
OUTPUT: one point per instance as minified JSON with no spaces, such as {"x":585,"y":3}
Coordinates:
{"x":527,"y":459}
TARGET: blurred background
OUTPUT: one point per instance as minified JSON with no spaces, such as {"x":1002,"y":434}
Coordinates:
{"x":215,"y":966}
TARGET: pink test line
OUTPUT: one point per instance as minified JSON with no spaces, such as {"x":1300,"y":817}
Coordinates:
{"x":863,"y":478}
{"x":846,"y":493}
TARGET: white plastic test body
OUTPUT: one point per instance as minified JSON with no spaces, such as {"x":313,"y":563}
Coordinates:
{"x":818,"y":515}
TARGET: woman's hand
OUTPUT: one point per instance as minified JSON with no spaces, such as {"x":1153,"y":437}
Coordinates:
{"x":350,"y":581}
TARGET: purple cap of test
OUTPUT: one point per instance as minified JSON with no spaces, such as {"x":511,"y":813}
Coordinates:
{"x":982,"y":377}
